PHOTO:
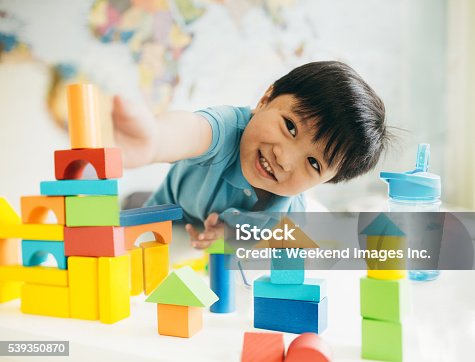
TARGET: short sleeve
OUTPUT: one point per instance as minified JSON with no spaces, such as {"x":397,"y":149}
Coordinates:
{"x":224,"y":122}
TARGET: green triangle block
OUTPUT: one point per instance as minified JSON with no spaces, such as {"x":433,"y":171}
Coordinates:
{"x":183,"y":287}
{"x":220,"y":247}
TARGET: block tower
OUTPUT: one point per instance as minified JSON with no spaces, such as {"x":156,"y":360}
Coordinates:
{"x":287,"y":301}
{"x":383,"y":294}
{"x":93,"y":242}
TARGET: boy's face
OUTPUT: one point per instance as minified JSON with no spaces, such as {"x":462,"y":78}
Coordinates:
{"x":277,"y":152}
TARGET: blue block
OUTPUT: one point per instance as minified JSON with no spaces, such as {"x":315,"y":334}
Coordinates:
{"x":79,"y":187}
{"x":152,"y":214}
{"x":292,"y":316}
{"x":222,"y":282}
{"x":312,"y":290}
{"x":35,"y":252}
{"x":285,"y":270}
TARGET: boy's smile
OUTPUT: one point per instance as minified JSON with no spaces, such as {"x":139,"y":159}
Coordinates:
{"x":278,"y":154}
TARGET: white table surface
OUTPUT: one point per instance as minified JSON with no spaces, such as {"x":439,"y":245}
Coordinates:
{"x":440,"y":327}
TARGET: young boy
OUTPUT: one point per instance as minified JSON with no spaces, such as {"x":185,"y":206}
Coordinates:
{"x":319,"y":123}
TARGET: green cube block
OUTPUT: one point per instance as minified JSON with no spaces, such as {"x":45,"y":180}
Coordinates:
{"x":381,"y":341}
{"x":92,"y":211}
{"x":384,"y":300}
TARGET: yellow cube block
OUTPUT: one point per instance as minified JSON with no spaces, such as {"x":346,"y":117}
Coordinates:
{"x":83,"y":287}
{"x":114,"y":288}
{"x":155,"y":264}
{"x":136,"y":272}
{"x":9,"y":291}
{"x":45,"y":300}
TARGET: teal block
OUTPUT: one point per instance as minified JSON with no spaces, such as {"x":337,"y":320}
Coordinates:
{"x":382,"y":341}
{"x":79,"y":187}
{"x":35,"y":252}
{"x":287,"y":270}
{"x":312,"y":290}
{"x":385,"y":300}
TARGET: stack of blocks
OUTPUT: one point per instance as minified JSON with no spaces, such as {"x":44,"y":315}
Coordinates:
{"x":92,"y":241}
{"x":287,"y":301}
{"x":383,"y":295}
{"x":180,"y":299}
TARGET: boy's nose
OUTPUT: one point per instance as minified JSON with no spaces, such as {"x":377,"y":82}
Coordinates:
{"x":284,"y":158}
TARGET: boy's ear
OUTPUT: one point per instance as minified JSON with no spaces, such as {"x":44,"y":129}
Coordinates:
{"x":265,"y":98}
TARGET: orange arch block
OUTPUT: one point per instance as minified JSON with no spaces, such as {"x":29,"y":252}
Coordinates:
{"x":308,"y":347}
{"x":83,"y":114}
{"x":34,"y":209}
{"x":161,"y":230}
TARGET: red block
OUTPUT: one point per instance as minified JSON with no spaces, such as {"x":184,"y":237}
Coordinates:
{"x":94,"y":241}
{"x":70,"y":164}
{"x":308,"y":347}
{"x":263,"y":347}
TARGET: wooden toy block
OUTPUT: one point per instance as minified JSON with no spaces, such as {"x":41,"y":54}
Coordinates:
{"x":390,"y":243}
{"x":149,"y":215}
{"x":183,"y":287}
{"x":136,"y":271}
{"x":70,"y":164}
{"x":94,"y":241}
{"x":263,"y":347}
{"x":32,"y":231}
{"x":197,"y":264}
{"x":312,"y":290}
{"x":296,"y":277}
{"x":385,"y":300}
{"x":34,"y":252}
{"x":220,"y":247}
{"x":387,"y":274}
{"x":9,"y":251}
{"x":114,"y":288}
{"x":83,"y":116}
{"x":34,"y":209}
{"x":382,"y":341}
{"x":79,"y":187}
{"x":8,"y":215}
{"x":45,"y":300}
{"x":10,"y":291}
{"x":83,"y":287}
{"x":162,"y":232}
{"x":222,"y":282}
{"x":179,"y":321}
{"x":155,"y":264}
{"x":292,"y":316}
{"x":287,"y":270}
{"x":34,"y":275}
{"x":92,"y":211}
{"x":308,"y":347}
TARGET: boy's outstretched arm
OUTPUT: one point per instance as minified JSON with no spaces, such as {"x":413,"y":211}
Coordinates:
{"x":169,"y":137}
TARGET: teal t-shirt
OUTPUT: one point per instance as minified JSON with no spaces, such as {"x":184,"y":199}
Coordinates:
{"x":213,"y":181}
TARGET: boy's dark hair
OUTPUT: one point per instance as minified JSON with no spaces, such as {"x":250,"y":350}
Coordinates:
{"x":343,"y":110}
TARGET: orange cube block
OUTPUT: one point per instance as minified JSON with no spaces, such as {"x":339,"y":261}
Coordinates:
{"x":178,"y":320}
{"x":34,"y":209}
{"x":161,"y":230}
{"x":84,"y":120}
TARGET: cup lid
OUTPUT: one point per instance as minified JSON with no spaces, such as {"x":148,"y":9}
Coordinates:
{"x":417,"y":184}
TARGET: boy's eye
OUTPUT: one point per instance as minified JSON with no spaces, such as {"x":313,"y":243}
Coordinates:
{"x":314,"y":163}
{"x":291,"y":127}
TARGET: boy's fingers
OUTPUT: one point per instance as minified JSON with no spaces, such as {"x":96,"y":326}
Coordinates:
{"x":211,"y":220}
{"x":192,"y":231}
{"x":201,"y":244}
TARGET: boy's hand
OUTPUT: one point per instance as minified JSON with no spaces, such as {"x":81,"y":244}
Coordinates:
{"x":134,"y":126}
{"x":213,"y":230}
